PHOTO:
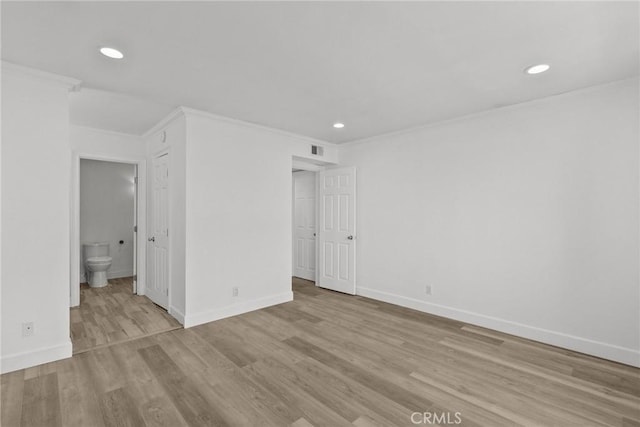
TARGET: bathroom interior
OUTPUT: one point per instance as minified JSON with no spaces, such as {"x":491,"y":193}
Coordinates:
{"x":107,"y":220}
{"x":110,"y":309}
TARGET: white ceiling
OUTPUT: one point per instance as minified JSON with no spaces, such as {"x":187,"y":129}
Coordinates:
{"x":299,"y":66}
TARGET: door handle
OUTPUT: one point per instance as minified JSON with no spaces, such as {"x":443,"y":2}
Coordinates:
{"x":151,"y":239}
{"x":349,"y":237}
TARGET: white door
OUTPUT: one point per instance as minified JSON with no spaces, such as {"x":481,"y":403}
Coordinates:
{"x":337,"y":230}
{"x":157,"y":288}
{"x":135,"y":231}
{"x":304,"y":225}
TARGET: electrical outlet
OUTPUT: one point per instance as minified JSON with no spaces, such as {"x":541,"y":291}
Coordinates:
{"x":427,"y":289}
{"x":27,"y":329}
{"x":235,"y":291}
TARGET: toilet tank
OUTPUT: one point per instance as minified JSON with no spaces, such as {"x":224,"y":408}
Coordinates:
{"x":91,"y":250}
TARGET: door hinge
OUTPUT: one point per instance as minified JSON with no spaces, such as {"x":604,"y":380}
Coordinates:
{"x":167,"y":292}
{"x":135,"y":179}
{"x":135,"y":228}
{"x":135,"y":277}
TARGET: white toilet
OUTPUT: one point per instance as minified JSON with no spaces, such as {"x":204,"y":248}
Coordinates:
{"x":96,"y":262}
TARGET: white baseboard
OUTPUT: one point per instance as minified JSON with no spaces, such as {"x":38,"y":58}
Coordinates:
{"x":119,"y":273}
{"x":235,"y":309}
{"x":616,"y":353}
{"x":13,"y":362}
{"x":110,"y":275}
{"x":177,"y":314}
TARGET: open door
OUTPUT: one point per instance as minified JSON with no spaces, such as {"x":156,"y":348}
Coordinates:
{"x":157,"y":288}
{"x":337,"y":229}
{"x":135,"y":232}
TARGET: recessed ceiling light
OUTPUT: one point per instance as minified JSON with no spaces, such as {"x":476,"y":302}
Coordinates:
{"x":338,"y":125}
{"x":537,"y":69}
{"x":111,"y":52}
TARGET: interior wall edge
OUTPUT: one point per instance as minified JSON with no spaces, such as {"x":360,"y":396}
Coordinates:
{"x":384,"y":137}
{"x":255,"y":126}
{"x":27,"y":359}
{"x":177,"y":314}
{"x":195,"y":319}
{"x":22,"y":70}
{"x":603,"y":350}
{"x":117,"y":274}
{"x":109,"y":132}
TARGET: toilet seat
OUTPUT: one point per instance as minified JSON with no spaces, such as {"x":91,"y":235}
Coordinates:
{"x":99,"y":260}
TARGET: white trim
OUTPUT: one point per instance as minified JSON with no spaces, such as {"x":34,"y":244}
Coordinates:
{"x":75,"y":274}
{"x":616,"y":353}
{"x":10,"y":67}
{"x":164,"y":122}
{"x":191,"y":111}
{"x":106,"y":131}
{"x":236,"y":309}
{"x":177,"y":314}
{"x":110,"y":275}
{"x":16,"y":361}
{"x":297,"y":163}
{"x":116,"y":274}
{"x":481,"y":113}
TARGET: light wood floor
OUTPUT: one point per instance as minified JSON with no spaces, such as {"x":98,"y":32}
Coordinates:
{"x":325,"y":359}
{"x":114,"y":314}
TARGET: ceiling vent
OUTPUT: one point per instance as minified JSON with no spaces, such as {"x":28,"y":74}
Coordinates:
{"x":317,"y":150}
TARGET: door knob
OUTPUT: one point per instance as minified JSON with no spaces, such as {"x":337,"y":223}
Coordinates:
{"x":350,"y":237}
{"x":151,"y":239}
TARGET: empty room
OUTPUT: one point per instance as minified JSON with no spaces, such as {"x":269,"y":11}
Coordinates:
{"x":310,"y":213}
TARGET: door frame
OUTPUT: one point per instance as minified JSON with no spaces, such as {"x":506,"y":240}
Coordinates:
{"x":311,"y":166}
{"x":301,"y":164}
{"x":141,"y":220}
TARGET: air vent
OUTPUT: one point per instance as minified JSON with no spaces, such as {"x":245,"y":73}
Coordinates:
{"x":317,"y":150}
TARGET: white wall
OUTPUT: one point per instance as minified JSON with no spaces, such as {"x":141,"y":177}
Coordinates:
{"x":36,"y":172}
{"x":107,"y":199}
{"x":523,"y":219}
{"x":238,"y":216}
{"x":230,"y":190}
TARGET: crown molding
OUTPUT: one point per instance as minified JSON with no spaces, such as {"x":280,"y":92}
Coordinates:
{"x":165,"y":121}
{"x":488,"y":112}
{"x":15,"y":69}
{"x":104,"y":131}
{"x":199,"y":113}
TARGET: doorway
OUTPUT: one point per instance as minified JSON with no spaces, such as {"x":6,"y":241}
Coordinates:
{"x":136,"y":187}
{"x":108,"y":218}
{"x":304,"y":225}
{"x":109,"y":207}
{"x":324,"y":226}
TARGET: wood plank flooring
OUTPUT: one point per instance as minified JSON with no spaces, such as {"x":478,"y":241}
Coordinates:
{"x":325,"y":359}
{"x":113,"y":314}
